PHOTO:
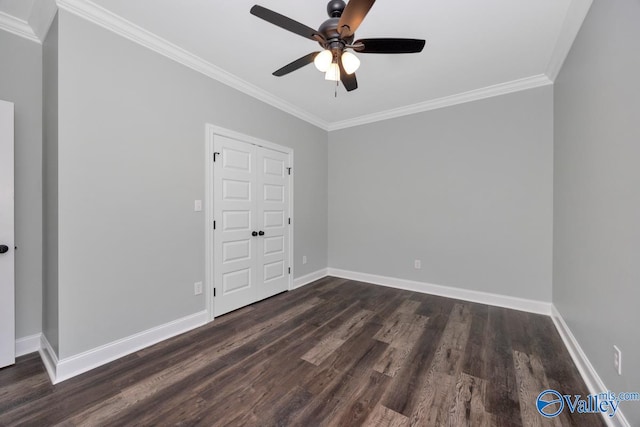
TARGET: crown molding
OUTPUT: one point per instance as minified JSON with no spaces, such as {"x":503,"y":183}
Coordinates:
{"x":110,"y":21}
{"x":41,"y":17}
{"x":447,"y":101}
{"x":90,"y":11}
{"x":573,"y":21}
{"x":37,"y":25}
{"x":18,"y":27}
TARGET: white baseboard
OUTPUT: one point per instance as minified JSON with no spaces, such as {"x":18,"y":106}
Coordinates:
{"x":308,"y":278}
{"x":28,"y":344}
{"x":68,"y":367}
{"x":589,"y":375}
{"x":49,"y":358}
{"x":515,"y":303}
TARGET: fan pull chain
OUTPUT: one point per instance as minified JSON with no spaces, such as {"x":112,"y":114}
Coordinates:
{"x":335,"y":94}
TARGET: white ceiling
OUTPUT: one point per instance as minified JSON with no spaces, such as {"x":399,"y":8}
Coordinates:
{"x":473,"y":47}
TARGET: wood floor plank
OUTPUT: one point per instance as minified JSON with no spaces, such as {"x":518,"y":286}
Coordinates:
{"x":401,"y":333}
{"x":469,"y":403}
{"x":14,"y":392}
{"x":355,"y":367}
{"x":531,"y":378}
{"x":404,"y":392}
{"x":436,"y":402}
{"x":337,"y":337}
{"x":385,"y":417}
{"x":382,"y":357}
{"x":359,"y":401}
{"x":273,"y":411}
{"x":448,"y":355}
{"x":475,"y":355}
{"x":502,"y":396}
{"x":445,"y":367}
{"x":396,"y":324}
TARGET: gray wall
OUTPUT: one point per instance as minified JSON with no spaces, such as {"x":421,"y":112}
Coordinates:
{"x":465,"y":189}
{"x":131,"y":163}
{"x":597,"y":193}
{"x":21,"y":83}
{"x":50,"y":186}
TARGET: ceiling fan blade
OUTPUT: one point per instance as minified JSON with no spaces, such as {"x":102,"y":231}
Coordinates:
{"x":286,"y":23}
{"x":389,"y":45}
{"x":353,"y":15}
{"x":348,"y":80}
{"x":298,"y":63}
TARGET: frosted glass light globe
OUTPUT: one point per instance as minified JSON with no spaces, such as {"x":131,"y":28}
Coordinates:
{"x":323,"y":60}
{"x":350,"y":62}
{"x":333,"y":73}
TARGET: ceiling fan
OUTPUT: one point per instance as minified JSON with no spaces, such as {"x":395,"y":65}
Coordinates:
{"x":336,"y":36}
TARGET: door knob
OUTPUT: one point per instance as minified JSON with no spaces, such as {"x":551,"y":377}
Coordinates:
{"x":4,"y":249}
{"x":254,"y":233}
{"x":261,"y":233}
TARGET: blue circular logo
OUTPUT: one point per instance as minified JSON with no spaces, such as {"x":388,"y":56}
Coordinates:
{"x":550,"y":403}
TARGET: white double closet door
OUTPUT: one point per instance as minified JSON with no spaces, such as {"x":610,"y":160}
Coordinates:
{"x":251,"y":236}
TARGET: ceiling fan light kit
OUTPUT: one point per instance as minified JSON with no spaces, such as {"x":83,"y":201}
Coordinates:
{"x":323,"y":60}
{"x":350,"y":62}
{"x":335,"y":36}
{"x":333,"y":73}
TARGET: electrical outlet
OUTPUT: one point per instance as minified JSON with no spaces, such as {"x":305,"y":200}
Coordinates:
{"x":304,"y":259}
{"x":417,"y":264}
{"x":617,"y":360}
{"x":197,"y":205}
{"x":197,"y":288}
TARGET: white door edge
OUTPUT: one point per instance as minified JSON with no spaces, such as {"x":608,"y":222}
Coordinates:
{"x":7,"y":234}
{"x":210,"y":132}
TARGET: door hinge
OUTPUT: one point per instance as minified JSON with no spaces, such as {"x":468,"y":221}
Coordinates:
{"x":289,"y":270}
{"x":214,"y":292}
{"x":214,"y":155}
{"x":214,"y":224}
{"x":289,"y":169}
{"x":289,"y":221}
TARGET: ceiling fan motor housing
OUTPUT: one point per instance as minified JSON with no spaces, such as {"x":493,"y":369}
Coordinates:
{"x":335,"y":8}
{"x":329,"y":29}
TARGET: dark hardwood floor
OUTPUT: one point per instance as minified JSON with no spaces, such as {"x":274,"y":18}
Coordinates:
{"x":334,"y":352}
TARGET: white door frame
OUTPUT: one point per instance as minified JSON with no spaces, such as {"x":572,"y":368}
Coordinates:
{"x":7,"y":236}
{"x":211,"y":132}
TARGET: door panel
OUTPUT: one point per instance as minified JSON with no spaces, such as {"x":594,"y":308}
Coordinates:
{"x":234,"y":257}
{"x":251,"y":194}
{"x":236,"y":280}
{"x":233,"y":189}
{"x":273,"y":219}
{"x":273,"y":245}
{"x":273,"y":271}
{"x":272,"y":182}
{"x":274,"y":193}
{"x":235,"y":251}
{"x":236,"y":220}
{"x":236,"y":159}
{"x":7,"y":277}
